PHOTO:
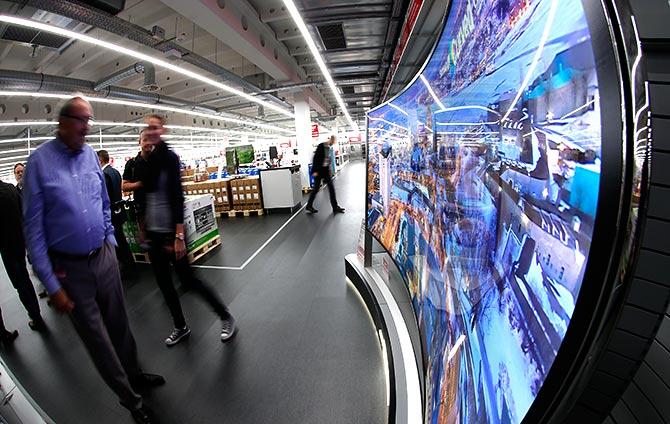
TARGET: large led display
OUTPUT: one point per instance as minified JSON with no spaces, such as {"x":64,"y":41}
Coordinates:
{"x":483,"y":180}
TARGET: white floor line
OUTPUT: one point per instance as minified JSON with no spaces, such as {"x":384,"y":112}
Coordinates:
{"x":251,"y":258}
{"x":232,"y":268}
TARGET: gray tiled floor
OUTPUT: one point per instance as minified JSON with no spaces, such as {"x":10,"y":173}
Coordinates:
{"x":307,"y":351}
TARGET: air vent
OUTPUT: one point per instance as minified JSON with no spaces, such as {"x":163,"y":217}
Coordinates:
{"x":332,"y":36}
{"x":348,"y":89}
{"x":31,"y":36}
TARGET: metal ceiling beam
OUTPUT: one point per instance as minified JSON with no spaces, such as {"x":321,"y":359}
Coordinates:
{"x":305,"y":52}
{"x":344,"y":17}
{"x":274,"y":15}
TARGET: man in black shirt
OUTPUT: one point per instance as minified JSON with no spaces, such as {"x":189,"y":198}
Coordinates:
{"x":13,"y":251}
{"x":135,"y":171}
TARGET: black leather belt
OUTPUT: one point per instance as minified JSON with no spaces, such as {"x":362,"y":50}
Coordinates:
{"x":74,"y":257}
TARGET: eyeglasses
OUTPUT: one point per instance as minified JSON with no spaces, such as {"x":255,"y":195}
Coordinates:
{"x":86,"y":120}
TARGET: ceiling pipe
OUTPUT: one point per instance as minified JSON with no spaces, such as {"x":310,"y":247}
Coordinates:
{"x":35,"y":83}
{"x":81,"y":12}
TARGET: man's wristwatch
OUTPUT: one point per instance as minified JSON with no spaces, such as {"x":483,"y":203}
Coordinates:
{"x":180,"y":236}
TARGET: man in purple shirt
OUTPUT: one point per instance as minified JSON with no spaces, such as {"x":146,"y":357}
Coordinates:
{"x":71,"y":242}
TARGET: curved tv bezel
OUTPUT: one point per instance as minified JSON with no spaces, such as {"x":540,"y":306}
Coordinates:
{"x":611,"y":196}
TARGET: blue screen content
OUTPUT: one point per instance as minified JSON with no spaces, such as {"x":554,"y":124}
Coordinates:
{"x":483,"y":179}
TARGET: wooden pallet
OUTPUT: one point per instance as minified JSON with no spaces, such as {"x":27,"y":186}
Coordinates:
{"x":142,"y":258}
{"x":245,"y":212}
{"x":204,"y":249}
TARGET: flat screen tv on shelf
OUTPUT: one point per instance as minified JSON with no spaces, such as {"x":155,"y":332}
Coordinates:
{"x":482,"y":184}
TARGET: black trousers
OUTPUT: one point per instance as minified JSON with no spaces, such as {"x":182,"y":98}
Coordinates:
{"x":160,"y":260}
{"x":15,"y":264}
{"x":123,"y":250}
{"x":324,"y":176}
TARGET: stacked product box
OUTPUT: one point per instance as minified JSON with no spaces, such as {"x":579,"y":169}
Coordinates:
{"x":217,"y":188}
{"x":245,"y":194}
{"x":200,"y":227}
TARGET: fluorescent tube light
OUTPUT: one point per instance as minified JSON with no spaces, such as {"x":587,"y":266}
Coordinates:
{"x":295,"y":14}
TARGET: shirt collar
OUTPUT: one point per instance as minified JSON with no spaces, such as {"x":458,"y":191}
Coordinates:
{"x":105,"y":166}
{"x":62,"y":147}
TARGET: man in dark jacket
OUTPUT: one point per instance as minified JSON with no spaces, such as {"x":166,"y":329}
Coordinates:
{"x":113,"y":184}
{"x":18,"y":175}
{"x":321,"y":170}
{"x":163,"y":222}
{"x":13,"y":250}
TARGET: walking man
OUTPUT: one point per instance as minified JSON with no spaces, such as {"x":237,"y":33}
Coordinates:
{"x":164,"y":224}
{"x":321,"y":170}
{"x":71,"y":242}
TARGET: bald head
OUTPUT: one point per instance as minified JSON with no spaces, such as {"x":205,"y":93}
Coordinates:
{"x":73,"y":122}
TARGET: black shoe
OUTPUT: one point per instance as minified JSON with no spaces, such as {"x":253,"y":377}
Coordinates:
{"x":9,"y":336}
{"x":37,"y":325}
{"x":228,"y":328}
{"x":310,"y":209}
{"x":141,"y":415}
{"x":146,"y":381}
{"x":338,"y":210}
{"x":177,"y":335}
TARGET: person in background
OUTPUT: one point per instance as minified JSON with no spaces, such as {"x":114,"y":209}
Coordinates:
{"x":321,"y":171}
{"x":135,"y":170}
{"x":164,"y":224}
{"x":19,"y":169}
{"x":13,"y":251}
{"x":18,"y":175}
{"x":71,"y":242}
{"x":133,"y":173}
{"x":113,"y":184}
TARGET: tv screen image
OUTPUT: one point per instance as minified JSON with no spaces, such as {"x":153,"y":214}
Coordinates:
{"x":245,"y":153}
{"x":483,"y":179}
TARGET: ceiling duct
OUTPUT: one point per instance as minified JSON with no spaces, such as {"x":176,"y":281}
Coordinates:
{"x":97,"y":18}
{"x":149,"y":85}
{"x":36,"y":83}
{"x":33,"y":37}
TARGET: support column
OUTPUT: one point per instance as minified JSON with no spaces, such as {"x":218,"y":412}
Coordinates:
{"x":303,"y":136}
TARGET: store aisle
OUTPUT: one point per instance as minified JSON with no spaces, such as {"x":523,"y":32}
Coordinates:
{"x":307,"y":351}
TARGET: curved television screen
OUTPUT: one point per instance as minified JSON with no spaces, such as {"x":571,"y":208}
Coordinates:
{"x":483,"y":179}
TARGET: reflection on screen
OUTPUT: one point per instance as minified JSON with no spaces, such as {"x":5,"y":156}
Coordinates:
{"x":483,"y":185}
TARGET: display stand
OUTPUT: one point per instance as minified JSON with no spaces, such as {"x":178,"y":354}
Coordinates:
{"x":281,"y":188}
{"x":390,"y":308}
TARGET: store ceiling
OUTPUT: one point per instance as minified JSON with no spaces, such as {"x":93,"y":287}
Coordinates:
{"x":356,"y":37}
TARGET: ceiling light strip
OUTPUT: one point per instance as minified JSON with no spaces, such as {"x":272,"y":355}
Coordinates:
{"x":140,"y":56}
{"x":295,"y":14}
{"x":138,"y":125}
